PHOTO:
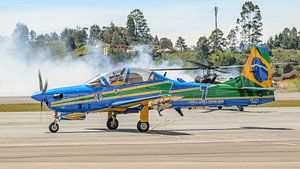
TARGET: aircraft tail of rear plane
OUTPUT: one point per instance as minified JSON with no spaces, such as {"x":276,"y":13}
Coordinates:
{"x":256,"y":73}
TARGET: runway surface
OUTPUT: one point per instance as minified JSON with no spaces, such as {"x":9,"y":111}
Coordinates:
{"x":255,"y":138}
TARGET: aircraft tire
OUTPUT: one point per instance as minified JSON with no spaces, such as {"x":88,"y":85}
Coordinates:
{"x":219,"y":107}
{"x":53,"y":127}
{"x":110,"y":124}
{"x":143,"y":126}
{"x":241,"y":108}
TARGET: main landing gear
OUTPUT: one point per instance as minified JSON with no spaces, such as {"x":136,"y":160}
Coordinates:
{"x":142,"y":126}
{"x":54,"y":127}
{"x":112,"y":122}
{"x":241,"y":108}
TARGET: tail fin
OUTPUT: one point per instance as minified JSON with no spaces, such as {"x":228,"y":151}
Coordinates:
{"x":257,"y":70}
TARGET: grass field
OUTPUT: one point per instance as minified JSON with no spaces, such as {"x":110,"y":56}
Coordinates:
{"x":36,"y":107}
{"x":292,"y":85}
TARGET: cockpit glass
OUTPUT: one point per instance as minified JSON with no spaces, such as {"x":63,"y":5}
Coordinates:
{"x":122,"y":76}
{"x":95,"y":82}
{"x":116,"y":77}
{"x":138,"y":75}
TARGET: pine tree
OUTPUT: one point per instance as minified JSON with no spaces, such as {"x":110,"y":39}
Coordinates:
{"x":67,"y":36}
{"x":250,"y":24}
{"x":54,"y":36}
{"x":95,"y":33}
{"x":138,"y":29}
{"x":203,"y":47}
{"x":216,"y":40}
{"x":180,"y":44}
{"x":286,"y":36}
{"x":132,"y":30}
{"x":156,"y":41}
{"x":32,"y":35}
{"x":21,"y":33}
{"x":294,"y":39}
{"x":232,"y":40}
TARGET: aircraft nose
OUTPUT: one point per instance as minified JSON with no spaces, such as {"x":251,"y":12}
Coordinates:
{"x":37,"y":96}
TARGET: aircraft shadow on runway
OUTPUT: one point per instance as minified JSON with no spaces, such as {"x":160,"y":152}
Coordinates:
{"x":165,"y":132}
{"x":180,"y":132}
{"x":233,"y":111}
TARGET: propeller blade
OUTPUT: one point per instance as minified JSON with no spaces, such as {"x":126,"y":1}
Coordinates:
{"x":232,"y":66}
{"x":201,"y":65}
{"x":40,"y":81}
{"x":221,"y":71}
{"x":187,"y":68}
{"x":42,"y":105}
{"x":45,"y":87}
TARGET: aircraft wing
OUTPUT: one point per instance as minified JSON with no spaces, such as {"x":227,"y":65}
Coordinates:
{"x":258,"y":88}
{"x":133,"y":102}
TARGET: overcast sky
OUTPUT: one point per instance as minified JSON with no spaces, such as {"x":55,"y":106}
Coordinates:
{"x":169,"y":18}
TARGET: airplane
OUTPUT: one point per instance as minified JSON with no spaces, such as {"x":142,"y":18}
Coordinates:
{"x":136,"y":90}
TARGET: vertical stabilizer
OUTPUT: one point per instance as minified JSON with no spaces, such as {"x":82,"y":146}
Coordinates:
{"x":258,"y":69}
{"x":256,"y":72}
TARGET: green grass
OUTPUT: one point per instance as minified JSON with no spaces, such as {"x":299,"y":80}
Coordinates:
{"x":295,"y":81}
{"x":36,"y":107}
{"x":291,"y":85}
{"x":20,"y":107}
{"x":281,"y":103}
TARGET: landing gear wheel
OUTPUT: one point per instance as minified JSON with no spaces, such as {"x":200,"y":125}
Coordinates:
{"x":241,"y":108}
{"x":53,"y":127}
{"x":219,"y":107}
{"x":143,"y":126}
{"x":112,"y":124}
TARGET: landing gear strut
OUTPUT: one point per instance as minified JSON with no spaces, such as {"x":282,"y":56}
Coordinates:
{"x":54,"y":127}
{"x":112,"y":122}
{"x":143,"y":125}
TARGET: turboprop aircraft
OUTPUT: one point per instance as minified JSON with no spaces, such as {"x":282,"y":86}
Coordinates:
{"x":135,"y":90}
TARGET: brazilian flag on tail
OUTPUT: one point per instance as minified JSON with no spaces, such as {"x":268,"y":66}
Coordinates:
{"x":256,"y":71}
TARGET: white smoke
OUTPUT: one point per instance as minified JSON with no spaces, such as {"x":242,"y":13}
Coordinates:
{"x":19,"y":68}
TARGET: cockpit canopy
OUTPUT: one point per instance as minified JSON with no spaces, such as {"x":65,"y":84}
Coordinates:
{"x":122,"y":76}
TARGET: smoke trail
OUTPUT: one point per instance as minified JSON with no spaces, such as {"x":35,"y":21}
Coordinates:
{"x":19,"y":67}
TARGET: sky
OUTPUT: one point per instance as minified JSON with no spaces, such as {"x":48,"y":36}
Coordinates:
{"x":166,"y":18}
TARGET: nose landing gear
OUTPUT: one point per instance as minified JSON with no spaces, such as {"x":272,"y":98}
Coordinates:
{"x":112,"y":122}
{"x":54,"y":127}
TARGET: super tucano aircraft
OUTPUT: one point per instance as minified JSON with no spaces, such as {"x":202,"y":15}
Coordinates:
{"x":135,"y":90}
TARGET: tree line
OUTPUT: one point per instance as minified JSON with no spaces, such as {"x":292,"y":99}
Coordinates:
{"x":217,"y":48}
{"x":286,"y":39}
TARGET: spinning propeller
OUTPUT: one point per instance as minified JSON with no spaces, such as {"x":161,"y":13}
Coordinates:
{"x":199,"y":66}
{"x":209,"y":67}
{"x":43,"y":89}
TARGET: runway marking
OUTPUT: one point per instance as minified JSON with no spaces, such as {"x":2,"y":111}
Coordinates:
{"x":161,"y":124}
{"x":288,"y":144}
